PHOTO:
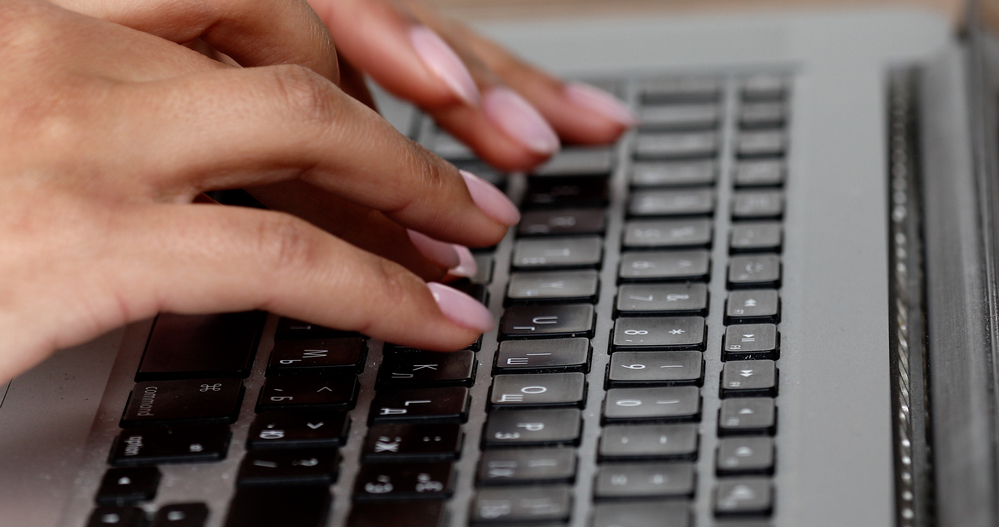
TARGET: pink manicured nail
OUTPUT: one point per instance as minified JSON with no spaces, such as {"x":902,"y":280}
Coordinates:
{"x":490,"y":199}
{"x":443,"y":254}
{"x":461,"y":308}
{"x":601,"y":102}
{"x":467,"y":266}
{"x":444,"y":62}
{"x":515,"y":116}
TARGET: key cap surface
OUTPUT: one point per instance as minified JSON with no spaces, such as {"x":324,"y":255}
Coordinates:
{"x":183,"y":402}
{"x":754,"y":271}
{"x":751,"y":306}
{"x":331,"y":392}
{"x":680,"y":89}
{"x":632,"y":368}
{"x":673,"y":117}
{"x":674,"y":173}
{"x":759,"y":173}
{"x":677,"y":145}
{"x":764,"y":87}
{"x":553,"y":286}
{"x":543,"y":355}
{"x":749,"y":415}
{"x":558,"y":253}
{"x":562,"y":222}
{"x":411,"y":513}
{"x":532,"y":427}
{"x":644,"y":480}
{"x":693,"y":202}
{"x":749,"y":341}
{"x":652,"y":404}
{"x":385,"y":481}
{"x":749,"y":378}
{"x":663,"y":299}
{"x":522,"y":504}
{"x":757,"y":205}
{"x":548,"y":321}
{"x":186,"y":346}
{"x":159,"y":445}
{"x":634,"y":442}
{"x":317,"y":356}
{"x":527,"y":466}
{"x":673,"y":234}
{"x":290,"y":328}
{"x":659,"y":333}
{"x":412,"y":442}
{"x":298,"y":429}
{"x":642,"y":514}
{"x":127,"y":486}
{"x":284,"y":505}
{"x":566,"y":192}
{"x":538,"y":389}
{"x":181,"y":515}
{"x":761,"y":144}
{"x":112,"y":515}
{"x":317,"y":466}
{"x":578,"y":161}
{"x":756,"y":237}
{"x":664,"y":266}
{"x":744,"y":496}
{"x":421,"y":405}
{"x":426,"y":368}
{"x":745,"y":455}
{"x":762,"y":115}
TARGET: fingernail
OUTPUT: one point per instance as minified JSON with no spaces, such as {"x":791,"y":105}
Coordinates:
{"x":443,"y":254}
{"x":601,"y":102}
{"x":518,"y":119}
{"x":490,"y":200}
{"x":461,"y":308}
{"x":466,"y":266}
{"x":444,"y":62}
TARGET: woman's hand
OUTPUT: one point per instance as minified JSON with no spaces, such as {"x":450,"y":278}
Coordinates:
{"x":109,"y":134}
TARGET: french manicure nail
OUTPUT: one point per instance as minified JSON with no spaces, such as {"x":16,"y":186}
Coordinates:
{"x":466,"y":267}
{"x":601,"y":102}
{"x":490,"y":200}
{"x":443,"y":254}
{"x":518,"y":119}
{"x":461,"y":308}
{"x":444,"y":62}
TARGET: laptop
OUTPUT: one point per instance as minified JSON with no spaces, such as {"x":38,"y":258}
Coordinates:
{"x":773,"y":303}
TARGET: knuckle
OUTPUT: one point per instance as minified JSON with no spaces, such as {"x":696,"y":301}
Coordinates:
{"x":306,"y":93}
{"x":285,"y":244}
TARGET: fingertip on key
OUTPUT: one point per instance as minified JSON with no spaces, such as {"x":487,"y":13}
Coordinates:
{"x":491,"y":200}
{"x":461,"y":308}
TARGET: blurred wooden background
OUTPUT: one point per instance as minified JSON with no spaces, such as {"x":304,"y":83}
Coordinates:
{"x":490,"y":9}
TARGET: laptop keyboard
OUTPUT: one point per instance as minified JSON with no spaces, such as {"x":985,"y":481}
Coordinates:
{"x":633,"y":377}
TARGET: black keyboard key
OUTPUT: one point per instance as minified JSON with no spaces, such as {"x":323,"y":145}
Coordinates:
{"x":114,"y":516}
{"x":674,"y":174}
{"x":290,"y":328}
{"x":533,"y":427}
{"x":659,"y":333}
{"x":757,"y":205}
{"x":644,"y":480}
{"x":301,"y":466}
{"x":754,"y":271}
{"x":183,"y":402}
{"x":744,"y":497}
{"x":297,"y":429}
{"x":764,"y":87}
{"x":751,"y":341}
{"x":670,"y":403}
{"x":662,"y":299}
{"x":553,"y":286}
{"x":745,"y":455}
{"x":404,"y":482}
{"x":548,"y":321}
{"x":547,"y":355}
{"x":759,"y":173}
{"x":693,"y":202}
{"x":663,"y":234}
{"x":516,"y":504}
{"x":693,"y":145}
{"x":181,"y":515}
{"x":126,"y":486}
{"x":159,"y":445}
{"x":749,"y":378}
{"x":485,"y":263}
{"x":747,"y":416}
{"x":405,"y":368}
{"x":760,"y":144}
{"x":762,"y":115}
{"x":537,"y":466}
{"x":284,"y":505}
{"x":412,"y":442}
{"x":329,"y":392}
{"x":674,"y":117}
{"x":633,"y":368}
{"x":665,"y":266}
{"x":566,"y":192}
{"x":318,"y":356}
{"x":477,"y":291}
{"x":562,"y":222}
{"x":756,"y":237}
{"x":671,"y":513}
{"x":410,"y":513}
{"x":752,"y":305}
{"x":681,"y":89}
{"x":578,"y":161}
{"x":558,"y":253}
{"x":421,"y":405}
{"x":634,"y":442}
{"x":538,"y":389}
{"x":186,"y":346}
